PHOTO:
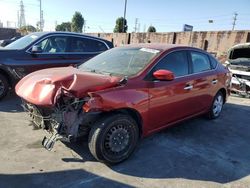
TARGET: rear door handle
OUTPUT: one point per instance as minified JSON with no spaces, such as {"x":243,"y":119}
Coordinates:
{"x":214,"y":81}
{"x":188,"y":87}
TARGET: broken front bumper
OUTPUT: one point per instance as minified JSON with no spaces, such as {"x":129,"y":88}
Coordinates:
{"x":65,"y":125}
{"x":240,"y":84}
{"x":47,"y":123}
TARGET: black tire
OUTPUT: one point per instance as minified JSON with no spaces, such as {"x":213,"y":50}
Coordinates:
{"x":113,"y":138}
{"x":4,"y":86}
{"x":217,"y":106}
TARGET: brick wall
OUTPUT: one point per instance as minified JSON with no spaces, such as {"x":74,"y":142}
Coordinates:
{"x":216,"y":42}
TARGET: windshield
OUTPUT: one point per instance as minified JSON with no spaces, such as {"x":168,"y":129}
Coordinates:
{"x":120,"y":61}
{"x":23,"y":42}
{"x":240,"y":53}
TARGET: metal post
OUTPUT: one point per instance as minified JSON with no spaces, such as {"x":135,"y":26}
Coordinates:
{"x":124,"y":17}
{"x":234,"y":20}
{"x":40,"y":15}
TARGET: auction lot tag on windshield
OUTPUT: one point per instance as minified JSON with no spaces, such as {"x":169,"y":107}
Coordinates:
{"x":149,"y":50}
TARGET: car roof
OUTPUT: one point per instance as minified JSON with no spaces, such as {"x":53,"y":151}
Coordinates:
{"x":159,"y":46}
{"x":68,"y":33}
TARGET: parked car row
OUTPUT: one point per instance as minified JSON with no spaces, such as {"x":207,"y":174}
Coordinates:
{"x":45,"y":50}
{"x":118,"y":96}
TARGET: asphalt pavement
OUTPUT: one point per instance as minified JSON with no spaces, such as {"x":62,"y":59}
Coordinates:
{"x":196,"y":153}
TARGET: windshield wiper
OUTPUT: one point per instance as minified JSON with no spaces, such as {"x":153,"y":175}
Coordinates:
{"x":124,"y":80}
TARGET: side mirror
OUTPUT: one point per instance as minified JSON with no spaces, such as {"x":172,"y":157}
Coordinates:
{"x":36,"y":49}
{"x":163,"y":75}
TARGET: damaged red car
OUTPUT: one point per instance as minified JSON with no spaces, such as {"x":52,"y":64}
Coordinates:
{"x":124,"y":94}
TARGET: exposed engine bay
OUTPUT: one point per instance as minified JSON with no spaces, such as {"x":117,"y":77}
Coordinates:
{"x":66,"y":121}
{"x":239,"y":65}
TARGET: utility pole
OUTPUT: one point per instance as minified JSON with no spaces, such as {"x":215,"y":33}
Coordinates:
{"x":41,"y":22}
{"x":55,"y":24}
{"x":234,"y":20}
{"x":18,"y":20}
{"x":136,"y":22}
{"x":84,"y":26}
{"x":22,"y":16}
{"x":144,"y":28}
{"x":124,"y":17}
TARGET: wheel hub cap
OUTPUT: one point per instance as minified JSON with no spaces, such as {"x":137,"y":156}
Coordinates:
{"x":117,"y":139}
{"x":217,"y":106}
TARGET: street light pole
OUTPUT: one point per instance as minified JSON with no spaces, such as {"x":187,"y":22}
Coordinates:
{"x":124,"y":17}
{"x":40,"y":6}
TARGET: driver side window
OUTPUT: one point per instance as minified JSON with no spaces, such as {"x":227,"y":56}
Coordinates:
{"x":177,"y":62}
{"x":53,"y":45}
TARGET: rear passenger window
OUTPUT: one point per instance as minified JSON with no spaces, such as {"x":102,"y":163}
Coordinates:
{"x":79,"y":44}
{"x":214,"y":62}
{"x":176,"y":62}
{"x":200,"y":62}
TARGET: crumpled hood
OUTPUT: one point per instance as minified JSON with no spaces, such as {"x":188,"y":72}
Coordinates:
{"x":42,"y":87}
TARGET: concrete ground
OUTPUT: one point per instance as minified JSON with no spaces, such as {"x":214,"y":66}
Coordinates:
{"x":197,"y":153}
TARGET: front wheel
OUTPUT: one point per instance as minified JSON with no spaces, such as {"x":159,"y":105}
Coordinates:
{"x":114,"y":138}
{"x":217,"y":106}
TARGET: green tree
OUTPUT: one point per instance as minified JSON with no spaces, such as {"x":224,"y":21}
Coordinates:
{"x":28,"y":28}
{"x":151,"y":29}
{"x":65,"y":26}
{"x":77,"y":22}
{"x":119,"y":25}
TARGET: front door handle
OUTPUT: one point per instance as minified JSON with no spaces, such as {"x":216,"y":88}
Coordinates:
{"x":214,"y":81}
{"x":188,"y":87}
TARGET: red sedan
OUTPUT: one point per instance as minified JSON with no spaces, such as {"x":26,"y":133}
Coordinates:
{"x":124,"y":94}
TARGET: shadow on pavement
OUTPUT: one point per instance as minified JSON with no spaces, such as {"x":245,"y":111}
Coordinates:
{"x":198,"y":149}
{"x":81,"y":147}
{"x":62,"y":179}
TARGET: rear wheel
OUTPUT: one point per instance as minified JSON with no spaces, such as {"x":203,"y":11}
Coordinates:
{"x":114,"y":138}
{"x":4,"y":86}
{"x":217,"y":106}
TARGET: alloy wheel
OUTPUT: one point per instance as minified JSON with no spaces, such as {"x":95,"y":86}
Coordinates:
{"x":217,"y":106}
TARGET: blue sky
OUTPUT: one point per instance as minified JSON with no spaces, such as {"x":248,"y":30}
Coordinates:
{"x":165,"y":15}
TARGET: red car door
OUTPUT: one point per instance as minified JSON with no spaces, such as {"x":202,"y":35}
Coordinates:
{"x":171,"y":101}
{"x":204,"y":78}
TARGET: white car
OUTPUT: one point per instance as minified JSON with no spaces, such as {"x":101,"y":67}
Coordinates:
{"x":238,"y":62}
